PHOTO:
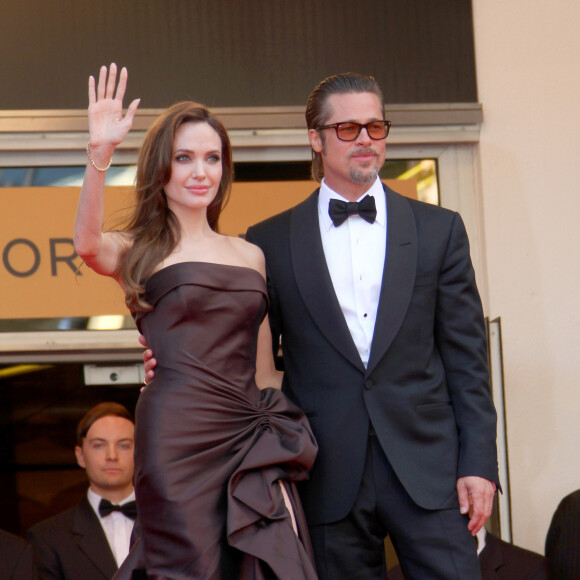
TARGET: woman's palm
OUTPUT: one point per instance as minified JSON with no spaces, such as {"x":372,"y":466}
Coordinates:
{"x":107,"y":125}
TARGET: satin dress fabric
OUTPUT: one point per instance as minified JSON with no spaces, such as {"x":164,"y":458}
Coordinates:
{"x":210,"y":447}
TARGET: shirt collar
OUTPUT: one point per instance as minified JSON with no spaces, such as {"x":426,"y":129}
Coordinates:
{"x":326,"y":194}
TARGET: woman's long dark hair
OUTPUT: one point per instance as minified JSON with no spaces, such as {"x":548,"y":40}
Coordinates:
{"x":153,"y":228}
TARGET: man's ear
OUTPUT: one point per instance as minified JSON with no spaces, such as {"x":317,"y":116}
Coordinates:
{"x":80,"y":457}
{"x":315,"y":140}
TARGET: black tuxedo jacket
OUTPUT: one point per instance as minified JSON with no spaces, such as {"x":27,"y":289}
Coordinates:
{"x":426,"y":387}
{"x":16,"y":558}
{"x":563,"y":539}
{"x":72,"y":546}
{"x":503,"y":561}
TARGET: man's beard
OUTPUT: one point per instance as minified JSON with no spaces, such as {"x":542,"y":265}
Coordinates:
{"x":367,"y":175}
{"x":362,"y":177}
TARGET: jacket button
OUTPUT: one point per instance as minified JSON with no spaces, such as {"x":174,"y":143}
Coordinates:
{"x":369,"y":384}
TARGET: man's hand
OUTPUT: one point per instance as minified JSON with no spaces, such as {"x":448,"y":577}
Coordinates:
{"x":148,"y":360}
{"x":475,"y":496}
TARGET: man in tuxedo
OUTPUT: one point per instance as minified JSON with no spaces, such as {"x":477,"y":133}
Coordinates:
{"x":90,"y":540}
{"x":16,"y":558}
{"x":384,"y":347}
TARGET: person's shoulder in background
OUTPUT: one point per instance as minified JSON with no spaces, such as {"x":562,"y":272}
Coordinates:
{"x":501,"y":560}
{"x":563,"y":539}
{"x":16,"y":558}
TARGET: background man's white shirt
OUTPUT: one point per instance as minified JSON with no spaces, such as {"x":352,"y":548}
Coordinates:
{"x":117,"y":527}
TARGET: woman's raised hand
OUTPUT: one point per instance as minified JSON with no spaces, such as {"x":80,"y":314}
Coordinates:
{"x":107,"y":125}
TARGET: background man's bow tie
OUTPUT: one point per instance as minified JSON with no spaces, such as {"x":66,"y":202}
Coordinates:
{"x":340,"y":211}
{"x":129,"y":509}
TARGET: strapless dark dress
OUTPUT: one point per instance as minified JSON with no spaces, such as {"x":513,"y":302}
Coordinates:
{"x":210,"y":447}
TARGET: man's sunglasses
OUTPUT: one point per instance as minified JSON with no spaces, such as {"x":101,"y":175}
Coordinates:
{"x":349,"y":131}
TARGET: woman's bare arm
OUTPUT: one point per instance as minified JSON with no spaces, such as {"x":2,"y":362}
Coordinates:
{"x":107,"y":128}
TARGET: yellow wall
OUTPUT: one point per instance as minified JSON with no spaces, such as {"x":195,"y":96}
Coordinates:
{"x":40,"y":274}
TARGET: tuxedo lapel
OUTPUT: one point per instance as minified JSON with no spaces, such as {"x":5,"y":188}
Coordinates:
{"x":91,"y":539}
{"x":398,"y":275}
{"x":314,"y":281}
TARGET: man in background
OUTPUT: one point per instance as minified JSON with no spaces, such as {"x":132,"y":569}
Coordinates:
{"x":16,"y":558}
{"x":90,"y":540}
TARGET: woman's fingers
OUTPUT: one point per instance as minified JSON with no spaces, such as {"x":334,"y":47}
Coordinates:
{"x":102,"y":83}
{"x":131,"y":110}
{"x":112,"y":81}
{"x":106,"y":121}
{"x":122,"y":85}
{"x":106,"y":86}
{"x":92,"y":95}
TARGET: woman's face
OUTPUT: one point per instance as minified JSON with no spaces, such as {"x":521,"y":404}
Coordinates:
{"x":196,"y":167}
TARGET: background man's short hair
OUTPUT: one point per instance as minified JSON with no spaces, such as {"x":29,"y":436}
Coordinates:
{"x":97,"y":412}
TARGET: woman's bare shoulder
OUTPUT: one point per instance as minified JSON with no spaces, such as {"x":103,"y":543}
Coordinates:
{"x":250,"y":254}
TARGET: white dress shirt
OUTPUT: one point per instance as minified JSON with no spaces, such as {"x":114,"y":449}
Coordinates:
{"x":355,"y":255}
{"x":481,"y":540}
{"x":117,"y":526}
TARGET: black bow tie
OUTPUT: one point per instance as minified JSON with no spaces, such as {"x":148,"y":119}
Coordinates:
{"x":340,"y":211}
{"x":128,"y":509}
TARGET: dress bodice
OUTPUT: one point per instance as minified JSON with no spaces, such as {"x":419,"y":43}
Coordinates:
{"x":207,"y":315}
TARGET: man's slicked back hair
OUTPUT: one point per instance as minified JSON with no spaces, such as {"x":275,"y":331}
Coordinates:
{"x":318,"y":108}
